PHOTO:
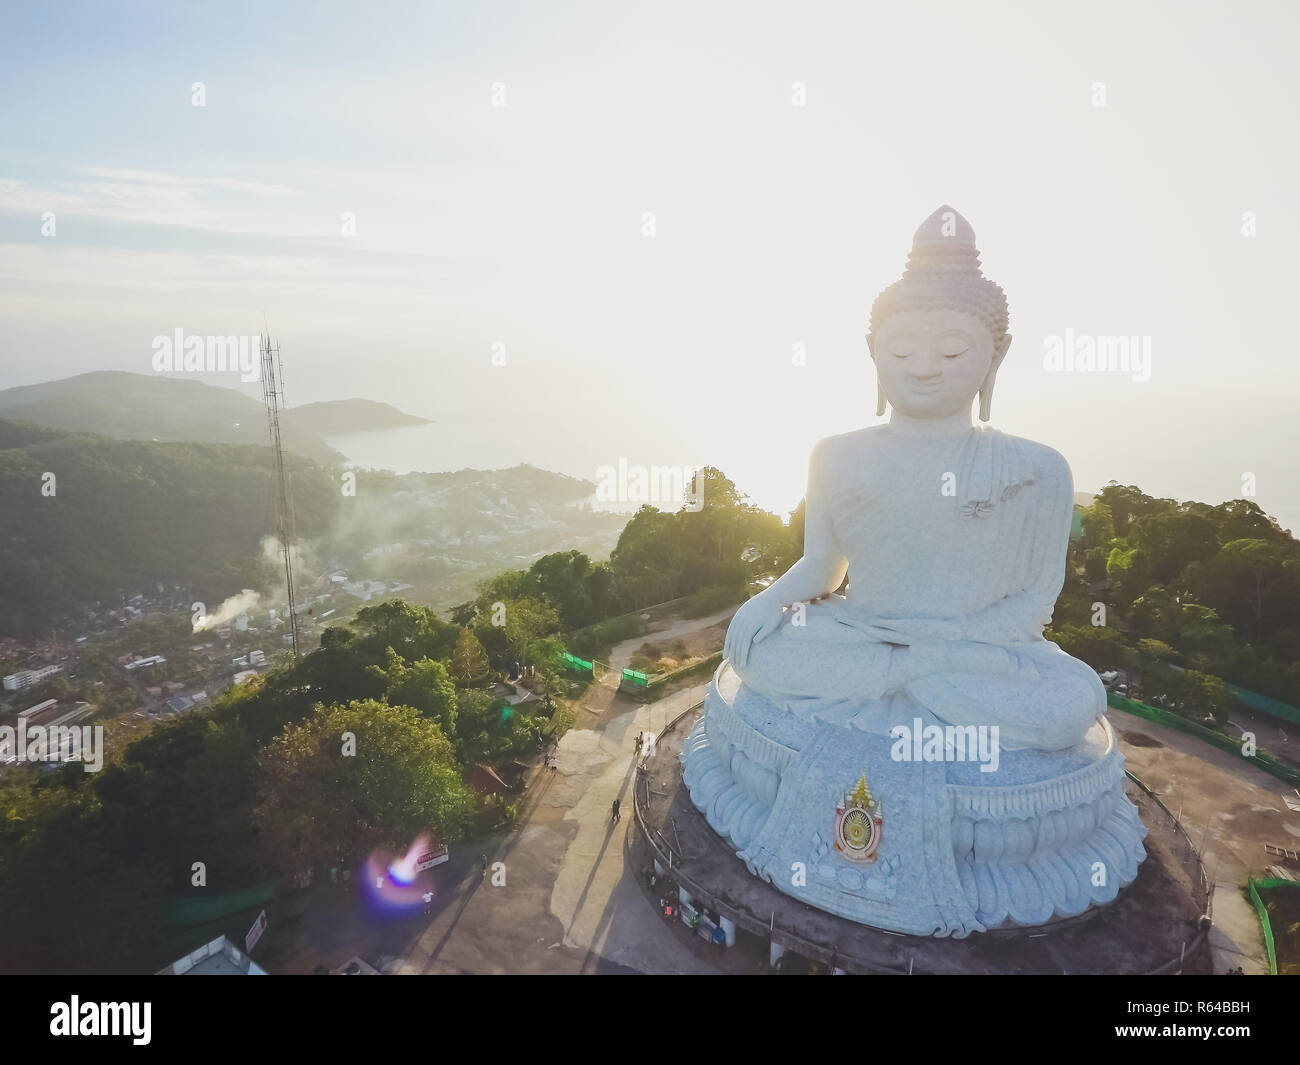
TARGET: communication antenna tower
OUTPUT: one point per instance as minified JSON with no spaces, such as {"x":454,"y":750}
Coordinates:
{"x":273,"y":397}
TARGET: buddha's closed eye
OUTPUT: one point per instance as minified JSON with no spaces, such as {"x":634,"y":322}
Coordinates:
{"x":953,"y":344}
{"x":902,"y":345}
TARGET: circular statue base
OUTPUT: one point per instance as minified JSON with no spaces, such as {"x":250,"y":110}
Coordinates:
{"x":1157,"y":924}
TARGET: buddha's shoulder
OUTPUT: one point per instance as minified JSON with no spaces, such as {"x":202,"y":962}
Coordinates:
{"x":833,"y":452}
{"x":1045,"y":461}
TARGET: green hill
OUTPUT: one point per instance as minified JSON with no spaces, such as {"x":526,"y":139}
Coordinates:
{"x":130,"y":406}
{"x":126,"y":514}
{"x":347,"y":416}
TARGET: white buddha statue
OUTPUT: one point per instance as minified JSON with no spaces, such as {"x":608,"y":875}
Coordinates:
{"x":954,"y":541}
{"x":953,"y":537}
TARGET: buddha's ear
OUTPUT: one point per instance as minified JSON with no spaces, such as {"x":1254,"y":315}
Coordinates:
{"x":880,"y":386}
{"x":986,"y":389}
{"x":986,"y":393}
{"x":1000,"y":350}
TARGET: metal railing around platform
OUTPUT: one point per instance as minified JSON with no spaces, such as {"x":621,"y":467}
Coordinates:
{"x":1193,"y":862}
{"x":658,"y":843}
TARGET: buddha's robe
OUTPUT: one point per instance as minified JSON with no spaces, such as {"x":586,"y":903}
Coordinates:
{"x":956,"y":549}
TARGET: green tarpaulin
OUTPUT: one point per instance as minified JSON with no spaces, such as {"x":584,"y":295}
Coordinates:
{"x":186,"y":910}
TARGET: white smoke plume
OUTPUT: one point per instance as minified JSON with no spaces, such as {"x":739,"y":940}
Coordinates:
{"x":231,"y":608}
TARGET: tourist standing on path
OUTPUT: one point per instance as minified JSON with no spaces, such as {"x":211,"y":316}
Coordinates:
{"x":614,"y":815}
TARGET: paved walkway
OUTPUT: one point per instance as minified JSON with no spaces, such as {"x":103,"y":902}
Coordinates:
{"x":567,"y":905}
{"x":1230,"y":810}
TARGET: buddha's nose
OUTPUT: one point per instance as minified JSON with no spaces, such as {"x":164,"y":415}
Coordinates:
{"x":925,"y":367}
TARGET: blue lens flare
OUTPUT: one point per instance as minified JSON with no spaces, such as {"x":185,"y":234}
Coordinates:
{"x":392,"y":882}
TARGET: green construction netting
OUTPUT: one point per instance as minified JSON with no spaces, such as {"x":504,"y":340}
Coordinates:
{"x":1268,"y":883}
{"x":1217,"y":739}
{"x":574,"y":662}
{"x":1266,"y":705}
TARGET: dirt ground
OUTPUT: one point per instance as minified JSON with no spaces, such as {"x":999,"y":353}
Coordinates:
{"x":684,"y":649}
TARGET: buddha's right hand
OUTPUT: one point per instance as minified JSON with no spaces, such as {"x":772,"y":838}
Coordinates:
{"x":757,"y":619}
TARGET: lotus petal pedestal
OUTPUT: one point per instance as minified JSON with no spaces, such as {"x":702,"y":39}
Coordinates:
{"x":943,"y":849}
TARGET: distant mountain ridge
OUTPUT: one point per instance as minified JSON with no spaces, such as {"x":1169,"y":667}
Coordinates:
{"x":335,"y":416}
{"x":131,"y":406}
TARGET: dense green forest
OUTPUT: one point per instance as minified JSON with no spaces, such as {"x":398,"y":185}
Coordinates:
{"x":118,"y":517}
{"x":659,"y":556}
{"x":88,"y":519}
{"x":255,"y":786}
{"x":1194,"y":594}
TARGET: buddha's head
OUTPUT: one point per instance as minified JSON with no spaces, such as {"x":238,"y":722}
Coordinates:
{"x":939,"y":334}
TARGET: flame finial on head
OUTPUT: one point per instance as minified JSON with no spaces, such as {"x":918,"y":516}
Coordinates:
{"x":945,"y":227}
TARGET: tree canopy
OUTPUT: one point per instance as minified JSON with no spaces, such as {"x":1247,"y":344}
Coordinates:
{"x":357,"y":776}
{"x":1216,"y":588}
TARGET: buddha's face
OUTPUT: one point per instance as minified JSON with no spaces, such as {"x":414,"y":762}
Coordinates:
{"x":932,"y":363}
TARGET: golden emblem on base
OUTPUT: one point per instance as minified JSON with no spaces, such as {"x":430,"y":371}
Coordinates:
{"x":859,"y":823}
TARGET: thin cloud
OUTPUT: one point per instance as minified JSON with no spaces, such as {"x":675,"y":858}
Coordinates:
{"x":144,"y":197}
{"x":153,"y":177}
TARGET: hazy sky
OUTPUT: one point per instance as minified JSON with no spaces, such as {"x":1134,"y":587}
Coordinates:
{"x":775,"y":224}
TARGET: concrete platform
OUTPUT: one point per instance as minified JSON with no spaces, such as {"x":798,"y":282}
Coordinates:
{"x":1157,"y":924}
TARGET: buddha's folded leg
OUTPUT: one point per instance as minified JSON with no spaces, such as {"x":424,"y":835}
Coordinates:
{"x":821,"y":658}
{"x":1044,"y":698}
